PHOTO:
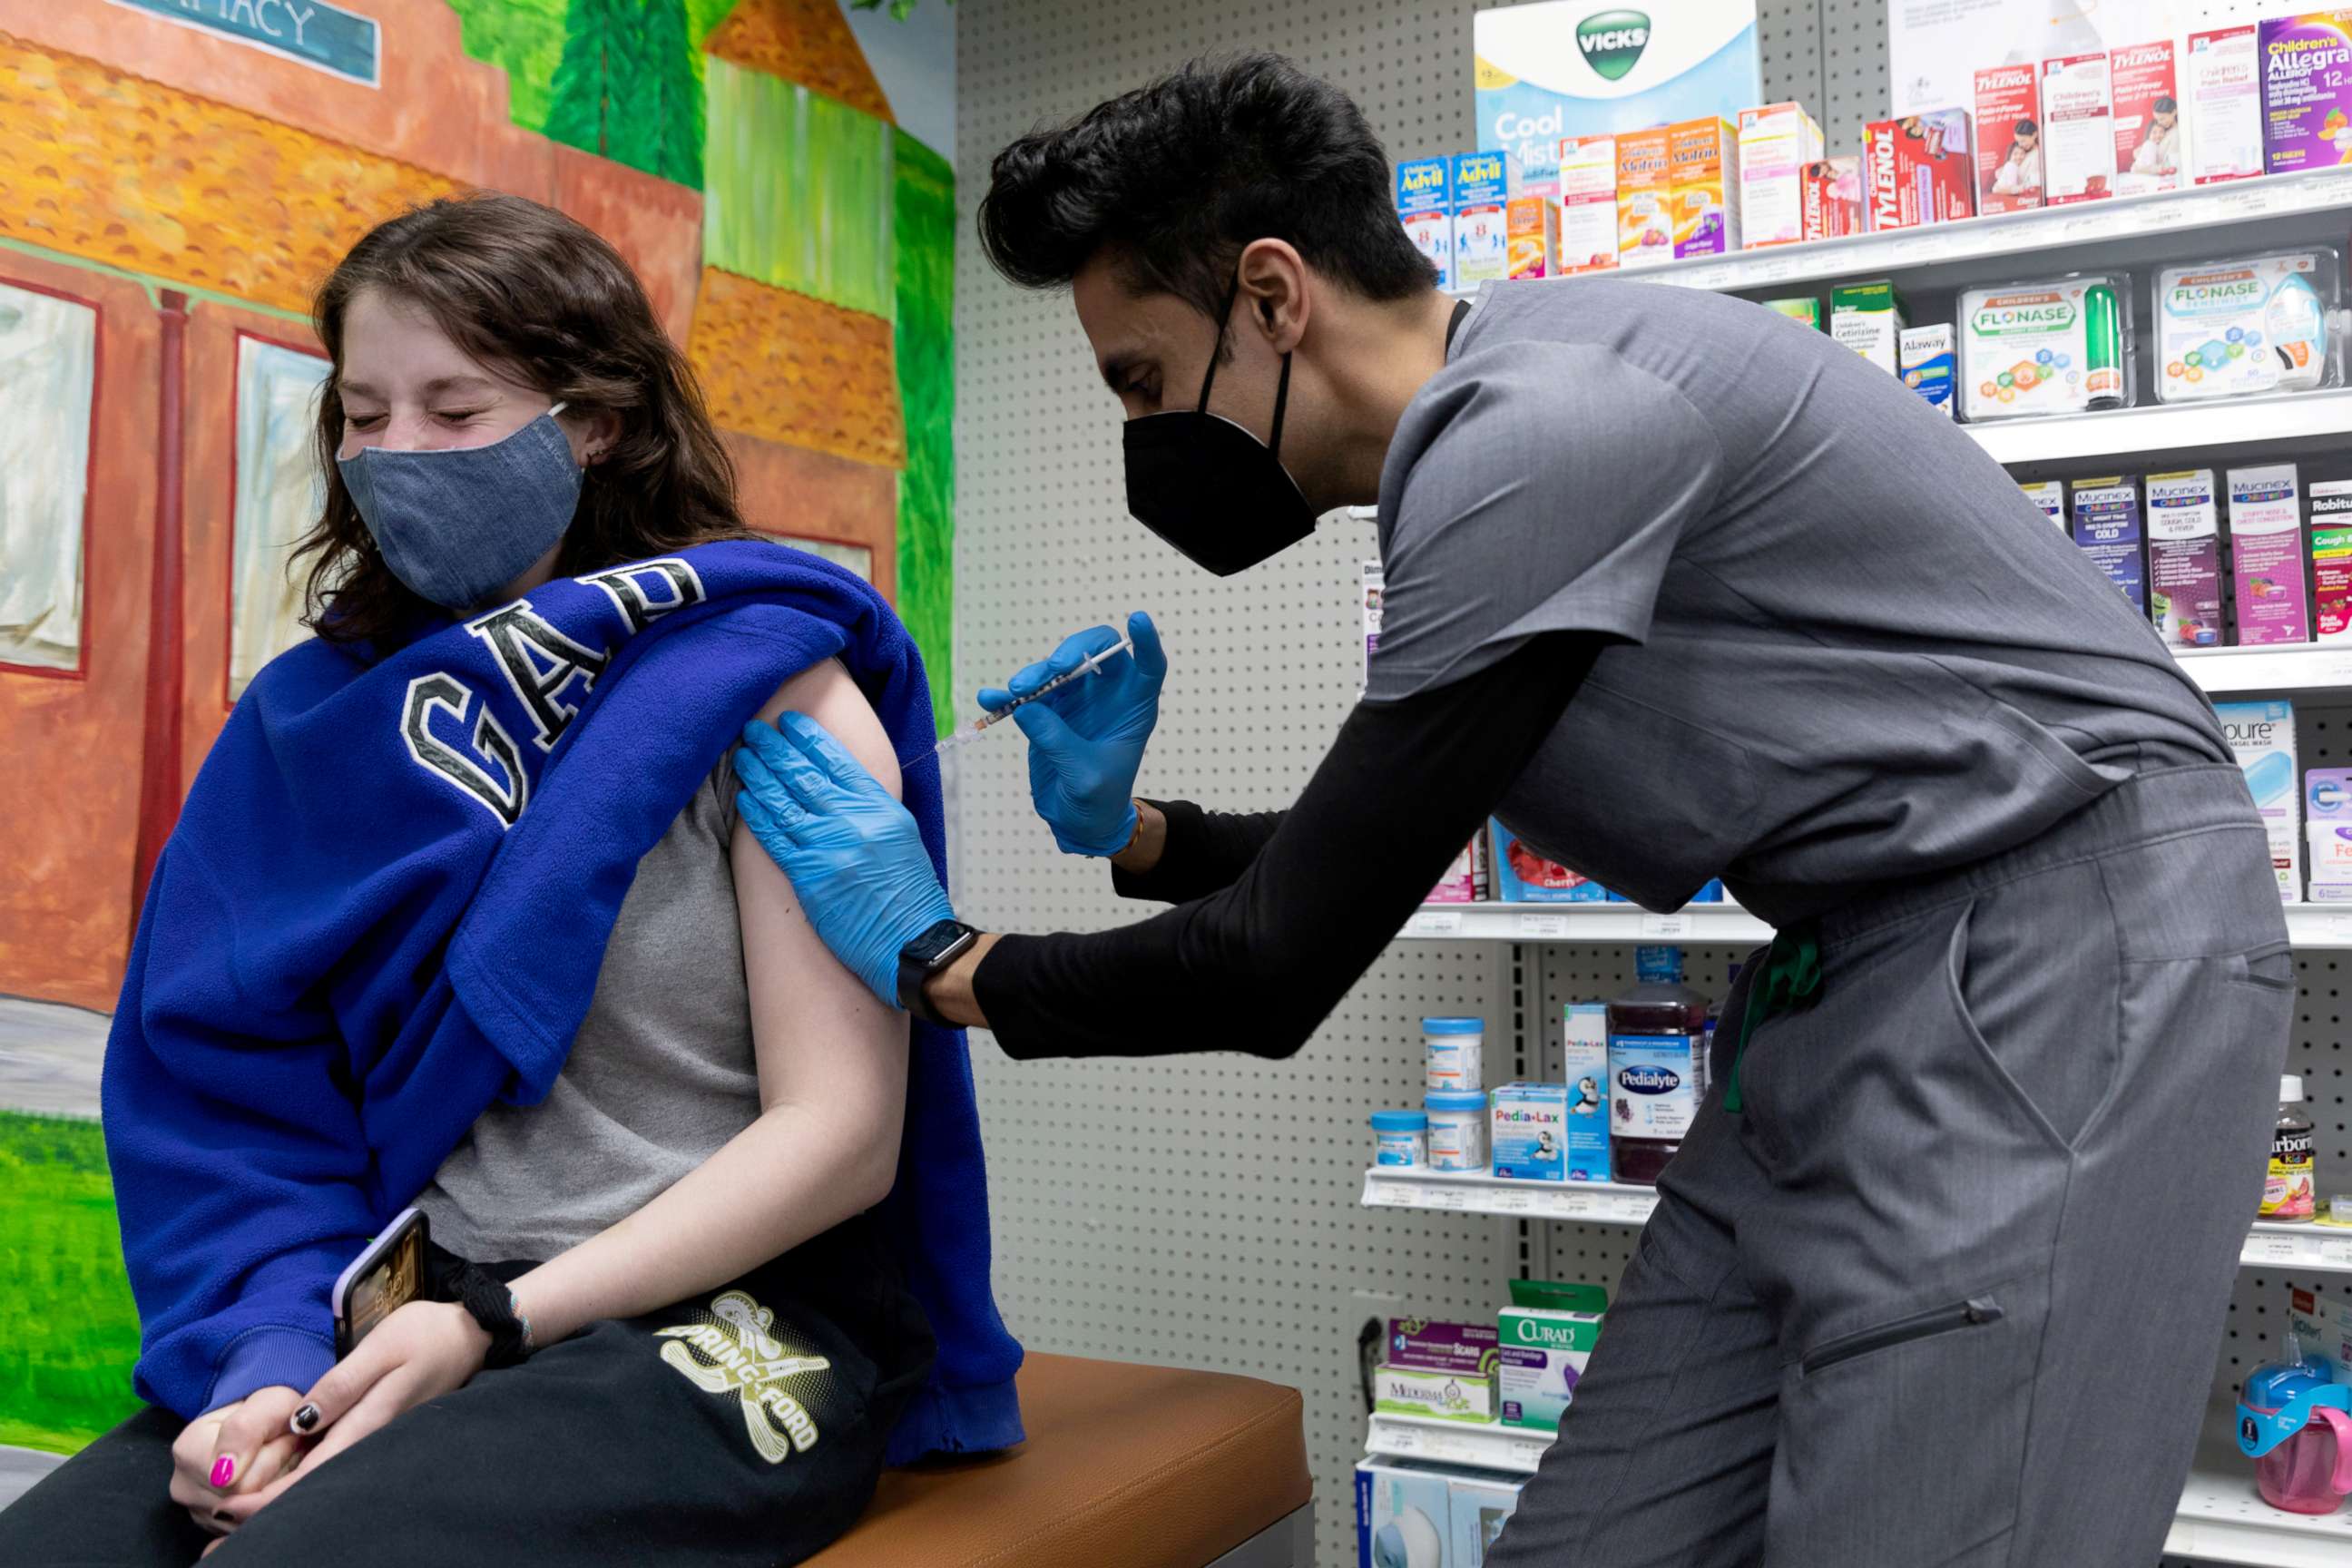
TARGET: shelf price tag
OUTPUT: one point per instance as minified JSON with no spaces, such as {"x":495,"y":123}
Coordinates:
{"x":2262,"y":1248}
{"x":1543,"y":928}
{"x":1444,"y":1198}
{"x":1400,"y":1440}
{"x":2335,"y":930}
{"x":1675,"y":925}
{"x":1435,"y":922}
{"x":2335,"y":1253}
{"x":1510,"y":1200}
{"x":1571,"y":1205}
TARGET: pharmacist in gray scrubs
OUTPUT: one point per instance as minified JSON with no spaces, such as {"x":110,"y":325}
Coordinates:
{"x":1679,"y":588}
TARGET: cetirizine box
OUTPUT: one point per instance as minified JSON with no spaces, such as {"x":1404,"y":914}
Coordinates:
{"x":1584,"y":1064}
{"x":1417,"y":1390}
{"x":1645,"y":199}
{"x":2184,"y":558}
{"x":1776,"y":142}
{"x":2009,"y":139}
{"x":1424,"y":199}
{"x":2078,"y":136}
{"x":1530,"y":1128}
{"x":1481,"y":218}
{"x":1587,"y":203}
{"x":1868,"y":318}
{"x":2262,"y":737}
{"x":2327,"y":827}
{"x":2150,"y":140}
{"x":1702,"y":163}
{"x":1928,"y":364}
{"x":2267,"y":566}
{"x":2106,"y":526}
{"x":2225,"y":105}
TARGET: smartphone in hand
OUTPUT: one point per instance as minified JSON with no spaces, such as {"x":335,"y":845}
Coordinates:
{"x":387,"y":1275}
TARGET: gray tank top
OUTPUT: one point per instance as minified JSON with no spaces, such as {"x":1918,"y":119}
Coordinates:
{"x":661,"y":1075}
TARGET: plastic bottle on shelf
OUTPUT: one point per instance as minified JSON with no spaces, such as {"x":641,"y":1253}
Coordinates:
{"x":1657,"y":1065}
{"x":2290,"y":1192}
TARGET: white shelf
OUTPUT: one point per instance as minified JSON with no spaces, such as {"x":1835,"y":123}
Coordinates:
{"x":1484,"y":1446}
{"x":2202,"y":429}
{"x":1590,"y":922}
{"x":1474,"y":1192}
{"x":2295,"y":667}
{"x":2306,"y":1249}
{"x":2319,"y":925}
{"x":2223,"y":1518}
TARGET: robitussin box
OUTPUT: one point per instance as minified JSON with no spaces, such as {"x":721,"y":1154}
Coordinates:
{"x":2008,"y":140}
{"x":2151,"y":138}
{"x":1917,"y":170}
{"x":2078,"y":135}
{"x":2306,"y":91}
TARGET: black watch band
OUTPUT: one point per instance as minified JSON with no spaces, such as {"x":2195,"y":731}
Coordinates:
{"x":925,"y":956}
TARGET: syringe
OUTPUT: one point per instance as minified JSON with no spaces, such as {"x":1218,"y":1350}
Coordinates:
{"x":966,"y":733}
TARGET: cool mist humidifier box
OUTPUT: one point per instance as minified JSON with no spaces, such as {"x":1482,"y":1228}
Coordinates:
{"x":2267,"y":566}
{"x":2225,"y":105}
{"x":2184,"y":558}
{"x":2240,"y":329}
{"x":1868,"y":318}
{"x":2262,"y":735}
{"x":2306,"y":91}
{"x":2051,"y":496}
{"x":1587,"y":203}
{"x":1524,"y":877}
{"x":1403,"y":1515}
{"x":1545,"y":1349}
{"x":1530,"y":1128}
{"x":1481,"y":219}
{"x":1777,"y":144}
{"x":1424,"y":199}
{"x":1919,"y":170}
{"x":2151,"y":133}
{"x":1431,"y":1345}
{"x":2327,"y":832}
{"x":2331,"y":561}
{"x":2106,"y":527}
{"x":1703,"y":163}
{"x":1645,"y":199}
{"x":2078,"y":135}
{"x":1584,"y":1067}
{"x":1447,"y":1395}
{"x":1480,"y":1507}
{"x":2009,"y":139}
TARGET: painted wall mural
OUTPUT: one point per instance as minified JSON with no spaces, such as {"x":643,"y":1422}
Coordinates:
{"x":180,"y":175}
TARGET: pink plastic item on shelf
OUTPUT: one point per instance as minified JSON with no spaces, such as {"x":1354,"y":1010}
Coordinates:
{"x":2310,"y":1472}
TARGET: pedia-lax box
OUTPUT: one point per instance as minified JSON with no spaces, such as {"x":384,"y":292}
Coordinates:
{"x":1584,"y":1067}
{"x":1928,"y":364}
{"x":1404,"y":1515}
{"x":2266,"y":555}
{"x":2078,"y":135}
{"x":2106,"y":527}
{"x":2327,"y":827}
{"x":1919,"y":170}
{"x":1587,"y":203}
{"x":2306,"y":91}
{"x":2262,"y":736}
{"x":1481,"y":219}
{"x":1547,"y":1333}
{"x":1424,"y":199}
{"x":2225,"y":105}
{"x":2009,"y":139}
{"x":1868,"y":318}
{"x":2151,"y":133}
{"x":1480,"y":1507}
{"x":2184,"y":558}
{"x":1530,"y":1128}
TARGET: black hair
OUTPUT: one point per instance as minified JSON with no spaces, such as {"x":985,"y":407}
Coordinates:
{"x":2164,"y":105}
{"x":1174,"y":178}
{"x":2025,"y":128}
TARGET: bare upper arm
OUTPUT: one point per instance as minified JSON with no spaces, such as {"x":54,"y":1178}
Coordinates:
{"x":821,"y":1038}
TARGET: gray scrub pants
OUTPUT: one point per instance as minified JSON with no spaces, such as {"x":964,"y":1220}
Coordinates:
{"x":1951,"y":1290}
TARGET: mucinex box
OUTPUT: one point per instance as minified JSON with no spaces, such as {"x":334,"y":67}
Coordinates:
{"x":2078,"y":136}
{"x":2009,"y":139}
{"x":1702,"y":163}
{"x":2106,"y":527}
{"x":2266,"y":550}
{"x":2051,"y":496}
{"x":2262,"y":736}
{"x":1481,"y":218}
{"x":2225,"y":105}
{"x":2184,"y":558}
{"x":1918,"y":169}
{"x":2151,"y":140}
{"x":1424,"y":199}
{"x":1587,"y":203}
{"x":1777,"y":144}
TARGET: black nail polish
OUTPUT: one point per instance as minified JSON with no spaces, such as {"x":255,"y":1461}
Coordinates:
{"x":305,"y":1419}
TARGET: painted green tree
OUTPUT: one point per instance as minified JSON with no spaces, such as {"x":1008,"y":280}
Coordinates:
{"x":628,"y":87}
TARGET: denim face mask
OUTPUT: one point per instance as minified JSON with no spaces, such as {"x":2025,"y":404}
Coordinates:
{"x":458,"y":525}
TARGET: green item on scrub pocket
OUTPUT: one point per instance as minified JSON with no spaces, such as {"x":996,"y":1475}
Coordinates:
{"x":1791,"y":979}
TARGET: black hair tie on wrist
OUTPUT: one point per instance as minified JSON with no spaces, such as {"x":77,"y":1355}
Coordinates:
{"x":487,"y":1300}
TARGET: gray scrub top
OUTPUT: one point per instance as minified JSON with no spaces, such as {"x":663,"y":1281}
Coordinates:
{"x":1853,"y":652}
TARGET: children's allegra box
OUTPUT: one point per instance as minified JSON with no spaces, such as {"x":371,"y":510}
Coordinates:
{"x":1587,"y":203}
{"x":2078,"y":135}
{"x":1481,"y":222}
{"x":1424,"y":199}
{"x":2308,"y":91}
{"x":2225,"y":104}
{"x":1645,"y":199}
{"x":1919,"y":170}
{"x":1703,"y":164}
{"x":2008,"y":140}
{"x":2150,"y":138}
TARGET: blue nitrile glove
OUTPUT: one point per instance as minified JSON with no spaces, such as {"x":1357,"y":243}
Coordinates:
{"x":1085,"y":740}
{"x":854,"y":854}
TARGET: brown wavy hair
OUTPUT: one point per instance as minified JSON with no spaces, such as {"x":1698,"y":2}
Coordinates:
{"x":546,"y":302}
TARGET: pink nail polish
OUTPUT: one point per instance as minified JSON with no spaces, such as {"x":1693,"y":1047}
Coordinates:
{"x":223,"y":1469}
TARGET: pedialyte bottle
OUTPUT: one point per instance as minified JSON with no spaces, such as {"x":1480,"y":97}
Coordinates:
{"x":2289,"y":1192}
{"x":1657,"y":1065}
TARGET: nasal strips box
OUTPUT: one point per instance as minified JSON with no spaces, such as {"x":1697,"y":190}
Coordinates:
{"x":1834,"y":198}
{"x":1919,"y":170}
{"x":2078,"y":136}
{"x":2306,"y":91}
{"x":1430,"y":1344}
{"x":1545,"y":1350}
{"x":2327,"y":830}
{"x":1587,"y":203}
{"x":2151,"y":134}
{"x":1645,"y":199}
{"x":1424,"y":199}
{"x":1777,"y":142}
{"x":1405,"y":1514}
{"x":1868,"y":318}
{"x":1928,"y":364}
{"x":1447,"y":1395}
{"x":2262,"y":736}
{"x":1481,"y":218}
{"x":1703,"y":161}
{"x":1530,"y":1128}
{"x":2009,"y":139}
{"x":1524,"y":877}
{"x":2225,"y":105}
{"x":1480,"y":1506}
{"x":1533,"y":234}
{"x":1584,"y":1068}
{"x":2108,"y":527}
{"x":2051,"y":496}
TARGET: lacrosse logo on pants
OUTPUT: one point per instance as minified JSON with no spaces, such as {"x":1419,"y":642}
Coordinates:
{"x":731,"y":1353}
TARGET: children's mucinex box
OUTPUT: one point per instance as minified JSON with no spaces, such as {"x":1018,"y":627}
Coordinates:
{"x":2308,"y":91}
{"x":2078,"y":135}
{"x":2009,"y":139}
{"x":1919,"y":170}
{"x":1424,"y":199}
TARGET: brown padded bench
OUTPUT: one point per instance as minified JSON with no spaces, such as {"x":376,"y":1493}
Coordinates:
{"x":1126,"y":1467}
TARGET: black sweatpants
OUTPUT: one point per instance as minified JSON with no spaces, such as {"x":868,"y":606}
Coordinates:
{"x":742,"y":1427}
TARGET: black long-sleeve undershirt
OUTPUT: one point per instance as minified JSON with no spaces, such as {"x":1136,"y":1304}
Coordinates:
{"x":1286,"y":909}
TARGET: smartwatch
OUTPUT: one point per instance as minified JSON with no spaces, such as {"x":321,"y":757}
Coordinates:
{"x":925,"y":956}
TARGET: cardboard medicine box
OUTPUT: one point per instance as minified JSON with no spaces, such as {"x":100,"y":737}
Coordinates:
{"x":2225,"y":104}
{"x":2151,"y":133}
{"x":2078,"y":136}
{"x":1919,"y":170}
{"x":1430,"y":1344}
{"x":2306,"y":91}
{"x":1702,"y":163}
{"x":2327,"y":830}
{"x":1533,"y":236}
{"x":2107,"y":528}
{"x":1447,"y":1395}
{"x":1834,"y":198}
{"x":1481,"y":224}
{"x":2262,"y":737}
{"x":1547,"y":1334}
{"x":1868,"y":318}
{"x":2009,"y":139}
{"x":1645,"y":199}
{"x":1584,"y":1067}
{"x":1424,"y":199}
{"x":1587,"y":240}
{"x":1777,"y":143}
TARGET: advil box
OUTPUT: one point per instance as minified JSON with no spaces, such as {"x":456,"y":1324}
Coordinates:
{"x":2008,"y":140}
{"x":1917,"y":170}
{"x":2151,"y":138}
{"x":1424,"y":199}
{"x":2308,"y":91}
